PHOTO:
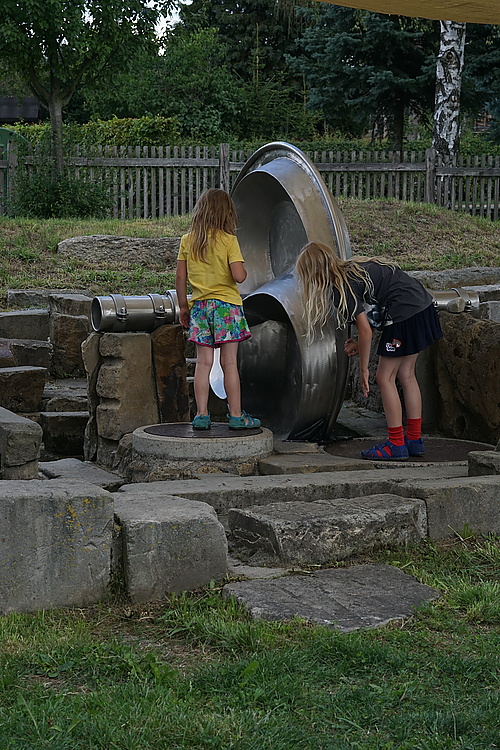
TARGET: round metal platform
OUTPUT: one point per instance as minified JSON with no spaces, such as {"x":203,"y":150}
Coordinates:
{"x":178,"y":441}
{"x":437,"y":449}
{"x":218,"y":430}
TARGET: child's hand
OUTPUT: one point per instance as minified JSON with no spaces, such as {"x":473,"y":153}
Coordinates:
{"x":184,"y":317}
{"x":365,"y":387}
{"x":351,"y":348}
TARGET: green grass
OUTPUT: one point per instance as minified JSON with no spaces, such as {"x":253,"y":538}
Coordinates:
{"x":196,"y":672}
{"x":415,"y":235}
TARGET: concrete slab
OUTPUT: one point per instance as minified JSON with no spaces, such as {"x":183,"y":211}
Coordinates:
{"x":318,"y":533}
{"x":85,"y":471}
{"x":302,"y":464}
{"x":362,"y":596}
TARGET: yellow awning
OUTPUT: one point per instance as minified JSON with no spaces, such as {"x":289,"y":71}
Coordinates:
{"x":468,"y":11}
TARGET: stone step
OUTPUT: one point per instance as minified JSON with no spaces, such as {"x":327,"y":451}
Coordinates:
{"x":20,"y":442}
{"x":319,"y":533}
{"x":351,"y":598}
{"x":64,"y":431}
{"x":166,"y":544}
{"x":454,"y":501}
{"x":65,"y":395}
{"x":25,"y":324}
{"x":301,"y":464}
{"x":21,"y":388}
{"x":25,"y":353}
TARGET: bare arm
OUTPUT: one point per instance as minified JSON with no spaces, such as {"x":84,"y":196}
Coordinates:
{"x":238,"y":271}
{"x":364,"y":346}
{"x":181,"y":289}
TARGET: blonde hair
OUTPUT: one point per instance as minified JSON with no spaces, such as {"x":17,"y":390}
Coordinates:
{"x":321,"y":272}
{"x":214,"y":211}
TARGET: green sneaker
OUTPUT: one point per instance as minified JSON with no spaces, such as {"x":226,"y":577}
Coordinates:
{"x":245,"y":422}
{"x":201,"y":422}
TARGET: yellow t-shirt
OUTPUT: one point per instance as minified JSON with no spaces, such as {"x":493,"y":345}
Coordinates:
{"x":212,"y":279}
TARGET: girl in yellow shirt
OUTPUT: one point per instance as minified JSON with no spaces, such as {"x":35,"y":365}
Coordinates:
{"x":210,"y":259}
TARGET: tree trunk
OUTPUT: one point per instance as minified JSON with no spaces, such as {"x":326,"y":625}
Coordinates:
{"x":449,"y":66}
{"x":55,"y":105}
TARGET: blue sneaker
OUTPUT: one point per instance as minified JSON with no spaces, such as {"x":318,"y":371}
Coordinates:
{"x":386,"y":452}
{"x":415,"y":447}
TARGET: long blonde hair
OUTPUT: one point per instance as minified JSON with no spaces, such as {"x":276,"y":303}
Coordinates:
{"x":214,"y":211}
{"x":321,"y":272}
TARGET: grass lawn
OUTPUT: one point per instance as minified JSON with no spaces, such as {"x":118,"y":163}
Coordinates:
{"x":196,"y":672}
{"x":416,"y":236}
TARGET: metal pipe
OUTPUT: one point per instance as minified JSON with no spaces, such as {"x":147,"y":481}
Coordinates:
{"x":115,"y":313}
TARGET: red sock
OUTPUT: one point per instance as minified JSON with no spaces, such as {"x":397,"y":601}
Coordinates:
{"x":396,"y":435}
{"x":413,"y":428}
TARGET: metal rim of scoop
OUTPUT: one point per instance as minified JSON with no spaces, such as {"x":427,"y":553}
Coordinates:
{"x":280,"y":191}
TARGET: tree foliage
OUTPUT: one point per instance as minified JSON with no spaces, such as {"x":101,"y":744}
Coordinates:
{"x":361,"y":67}
{"x":57,"y":46}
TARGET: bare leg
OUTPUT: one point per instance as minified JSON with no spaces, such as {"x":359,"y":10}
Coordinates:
{"x":386,"y":380}
{"x":229,"y":364}
{"x":204,"y":361}
{"x":411,"y":389}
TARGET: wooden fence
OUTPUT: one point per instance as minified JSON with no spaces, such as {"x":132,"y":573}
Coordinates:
{"x":154,"y":182}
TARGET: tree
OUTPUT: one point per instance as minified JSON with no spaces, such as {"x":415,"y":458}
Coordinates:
{"x":362,"y":66}
{"x":57,"y":46}
{"x":449,"y":66}
{"x":258,"y":34}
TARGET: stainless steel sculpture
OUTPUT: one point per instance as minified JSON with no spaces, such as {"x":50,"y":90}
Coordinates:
{"x":282,"y":203}
{"x":294,"y":388}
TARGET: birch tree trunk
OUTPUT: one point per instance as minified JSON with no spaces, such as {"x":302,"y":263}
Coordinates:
{"x":449,"y":66}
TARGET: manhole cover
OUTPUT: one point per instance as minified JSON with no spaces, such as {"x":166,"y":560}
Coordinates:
{"x":185,"y":430}
{"x":436,"y":449}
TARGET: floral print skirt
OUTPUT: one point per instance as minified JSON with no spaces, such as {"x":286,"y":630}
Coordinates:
{"x":213,"y":322}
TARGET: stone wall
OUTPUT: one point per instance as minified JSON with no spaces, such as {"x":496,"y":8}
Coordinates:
{"x":134,"y":379}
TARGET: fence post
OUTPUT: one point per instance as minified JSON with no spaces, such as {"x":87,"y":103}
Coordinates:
{"x":430,"y":176}
{"x":224,"y":166}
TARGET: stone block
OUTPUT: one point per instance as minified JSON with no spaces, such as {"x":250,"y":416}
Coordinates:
{"x":352,"y":598}
{"x":25,"y":324}
{"x":169,"y":544}
{"x":63,"y":432}
{"x":482,"y":463}
{"x":67,"y":334}
{"x":320,"y":532}
{"x":20,"y":441}
{"x":75,"y":305}
{"x":169,"y":361}
{"x":468,"y":374}
{"x":125,"y":385}
{"x":55,"y":542}
{"x":92,"y":363}
{"x":21,"y":388}
{"x":456,"y":503}
{"x":125,"y":251}
{"x":84,"y":471}
{"x":490,"y":311}
{"x":25,"y":353}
